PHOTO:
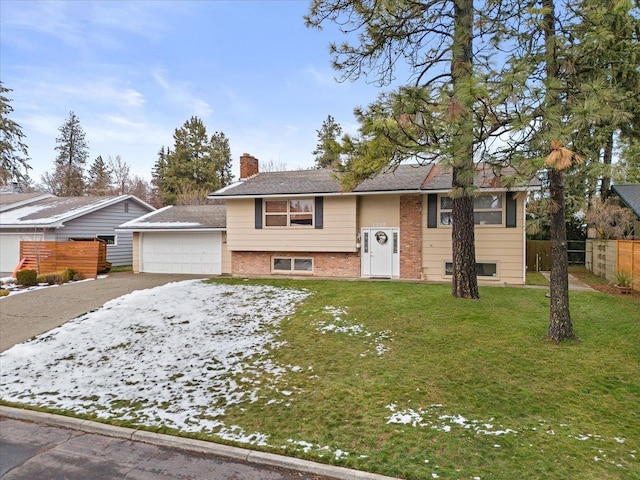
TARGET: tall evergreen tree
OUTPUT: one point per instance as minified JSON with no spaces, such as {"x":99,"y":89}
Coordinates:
{"x":328,"y":149}
{"x":220,"y":152}
{"x":14,"y":156}
{"x":456,"y":105}
{"x":99,"y":178}
{"x":73,"y":151}
{"x":196,"y":163}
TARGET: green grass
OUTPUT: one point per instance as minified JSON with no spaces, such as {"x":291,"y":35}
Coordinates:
{"x":486,"y":360}
{"x":536,"y":278}
{"x":121,"y":268}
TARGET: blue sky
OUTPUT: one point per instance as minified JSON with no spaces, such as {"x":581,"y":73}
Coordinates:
{"x":134,"y":71}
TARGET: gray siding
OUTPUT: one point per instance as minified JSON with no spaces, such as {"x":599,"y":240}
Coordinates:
{"x":104,"y":222}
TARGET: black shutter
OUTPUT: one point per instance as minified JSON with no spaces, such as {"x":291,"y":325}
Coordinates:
{"x":258,"y":213}
{"x":432,"y":210}
{"x":319,"y":212}
{"x":511,"y":210}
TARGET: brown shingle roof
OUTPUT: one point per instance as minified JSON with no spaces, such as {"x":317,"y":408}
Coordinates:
{"x":407,"y":178}
{"x":181,"y":217}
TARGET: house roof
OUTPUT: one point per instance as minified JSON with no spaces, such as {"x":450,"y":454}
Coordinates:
{"x":53,"y":212}
{"x":10,"y":200}
{"x":405,"y":178}
{"x":630,"y":196}
{"x":182,"y":217}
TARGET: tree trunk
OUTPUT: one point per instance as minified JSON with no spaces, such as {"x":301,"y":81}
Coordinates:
{"x":465,"y":281}
{"x":560,"y":327}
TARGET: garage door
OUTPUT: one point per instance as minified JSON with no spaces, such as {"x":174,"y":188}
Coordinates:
{"x":10,"y":249}
{"x":181,"y":252}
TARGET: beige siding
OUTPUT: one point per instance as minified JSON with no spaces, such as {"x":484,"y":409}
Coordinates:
{"x":500,"y":245}
{"x":379,"y":211}
{"x":136,"y":252}
{"x":337,"y":235}
{"x":226,"y":255}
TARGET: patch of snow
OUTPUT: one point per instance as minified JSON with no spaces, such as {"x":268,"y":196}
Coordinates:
{"x":342,"y":326}
{"x":174,"y":356}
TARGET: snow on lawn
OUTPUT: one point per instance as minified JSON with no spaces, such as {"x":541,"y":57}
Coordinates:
{"x":174,"y":356}
{"x":340,"y":325}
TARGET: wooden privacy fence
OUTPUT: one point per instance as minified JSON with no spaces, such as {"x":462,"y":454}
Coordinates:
{"x":85,"y":257}
{"x":629,"y":260}
{"x":539,"y":254}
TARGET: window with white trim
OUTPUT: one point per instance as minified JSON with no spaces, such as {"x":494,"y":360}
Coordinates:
{"x":487,"y":210}
{"x":289,"y":213}
{"x":292,"y":265}
{"x":110,"y":240}
{"x":483,"y":269}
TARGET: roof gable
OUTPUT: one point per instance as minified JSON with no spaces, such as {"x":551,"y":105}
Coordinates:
{"x":54,"y":211}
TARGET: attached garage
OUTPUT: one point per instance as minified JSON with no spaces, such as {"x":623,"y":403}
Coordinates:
{"x":181,"y":252}
{"x":189,"y":239}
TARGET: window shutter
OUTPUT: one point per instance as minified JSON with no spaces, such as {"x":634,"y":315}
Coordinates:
{"x":432,"y":210}
{"x":319,"y":212}
{"x":258,"y":213}
{"x":511,"y":210}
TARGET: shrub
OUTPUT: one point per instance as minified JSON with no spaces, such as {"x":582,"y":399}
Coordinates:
{"x":60,"y":277}
{"x":3,"y":292}
{"x":77,"y":277}
{"x":27,"y":278}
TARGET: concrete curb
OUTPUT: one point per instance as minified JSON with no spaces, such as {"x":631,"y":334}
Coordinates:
{"x":191,"y":445}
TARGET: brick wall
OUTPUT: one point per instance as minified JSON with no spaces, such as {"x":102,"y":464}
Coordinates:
{"x":411,"y":236}
{"x":345,"y":265}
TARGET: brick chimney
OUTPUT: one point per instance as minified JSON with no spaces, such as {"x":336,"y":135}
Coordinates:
{"x":248,"y":166}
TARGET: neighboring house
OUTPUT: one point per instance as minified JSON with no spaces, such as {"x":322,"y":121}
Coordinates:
{"x":396,"y":225}
{"x":181,"y":239}
{"x":629,"y":196}
{"x":51,"y":218}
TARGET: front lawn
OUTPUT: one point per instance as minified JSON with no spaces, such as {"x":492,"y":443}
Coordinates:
{"x":390,"y":377}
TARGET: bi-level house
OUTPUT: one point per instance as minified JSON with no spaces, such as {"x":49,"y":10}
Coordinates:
{"x":396,"y":225}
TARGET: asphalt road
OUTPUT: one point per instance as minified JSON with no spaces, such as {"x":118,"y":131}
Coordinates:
{"x":41,"y":452}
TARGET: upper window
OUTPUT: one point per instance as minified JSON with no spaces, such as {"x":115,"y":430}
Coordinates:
{"x":108,"y":239}
{"x":487,"y":210}
{"x":288,"y":213}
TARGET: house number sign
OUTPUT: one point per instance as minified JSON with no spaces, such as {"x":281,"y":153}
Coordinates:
{"x":381,"y":237}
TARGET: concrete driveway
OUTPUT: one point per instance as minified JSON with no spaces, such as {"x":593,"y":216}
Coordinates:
{"x":25,"y":315}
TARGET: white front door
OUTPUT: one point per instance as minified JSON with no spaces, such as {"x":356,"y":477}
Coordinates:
{"x":380,"y":257}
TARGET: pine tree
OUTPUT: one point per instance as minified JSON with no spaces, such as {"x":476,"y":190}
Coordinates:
{"x":14,"y":156}
{"x":454,"y":102}
{"x":328,"y":149}
{"x":68,"y":176}
{"x":196,"y":163}
{"x":99,"y":181}
{"x":220,"y":151}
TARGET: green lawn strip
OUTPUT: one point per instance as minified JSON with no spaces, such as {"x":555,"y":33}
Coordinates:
{"x":486,"y":360}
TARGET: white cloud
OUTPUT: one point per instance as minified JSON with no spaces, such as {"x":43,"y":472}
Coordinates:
{"x":180,"y":94}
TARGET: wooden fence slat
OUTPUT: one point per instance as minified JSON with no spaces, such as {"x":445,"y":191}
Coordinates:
{"x":84,"y":257}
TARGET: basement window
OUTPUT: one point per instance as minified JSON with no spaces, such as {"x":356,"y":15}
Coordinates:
{"x":292,"y":265}
{"x":482,"y":269}
{"x":110,"y":240}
